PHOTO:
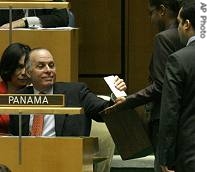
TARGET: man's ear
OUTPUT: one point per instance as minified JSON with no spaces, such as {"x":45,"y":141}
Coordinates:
{"x":187,"y":25}
{"x":162,"y":10}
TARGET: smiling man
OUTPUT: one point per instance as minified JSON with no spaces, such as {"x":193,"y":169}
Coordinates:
{"x":41,"y":69}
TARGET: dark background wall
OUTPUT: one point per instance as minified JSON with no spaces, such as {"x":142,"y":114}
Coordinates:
{"x":115,"y":37}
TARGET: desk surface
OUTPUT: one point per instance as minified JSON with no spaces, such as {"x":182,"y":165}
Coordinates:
{"x":44,"y":110}
{"x":33,"y":5}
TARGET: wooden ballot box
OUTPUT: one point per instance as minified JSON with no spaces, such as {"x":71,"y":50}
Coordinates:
{"x":49,"y":154}
{"x":62,"y":43}
{"x":128,"y":133}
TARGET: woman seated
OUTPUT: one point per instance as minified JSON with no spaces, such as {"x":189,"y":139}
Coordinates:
{"x":13,"y":76}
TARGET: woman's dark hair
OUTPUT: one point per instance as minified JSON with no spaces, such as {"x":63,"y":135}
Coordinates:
{"x":10,"y":59}
{"x":173,"y":5}
{"x":188,"y":13}
{"x":4,"y":168}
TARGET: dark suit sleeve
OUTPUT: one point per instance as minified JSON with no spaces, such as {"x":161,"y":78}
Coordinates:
{"x":13,"y":125}
{"x":162,"y":48}
{"x":54,"y":18}
{"x":170,"y":110}
{"x":92,"y":104}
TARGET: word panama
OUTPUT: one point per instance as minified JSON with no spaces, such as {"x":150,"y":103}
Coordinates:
{"x":31,"y":100}
{"x":28,"y":100}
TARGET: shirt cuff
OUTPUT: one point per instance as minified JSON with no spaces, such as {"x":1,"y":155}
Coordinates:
{"x":113,"y":97}
{"x":33,"y":22}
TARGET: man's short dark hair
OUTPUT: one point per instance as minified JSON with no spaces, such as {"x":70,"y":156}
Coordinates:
{"x":10,"y":59}
{"x":188,"y":13}
{"x":173,"y":5}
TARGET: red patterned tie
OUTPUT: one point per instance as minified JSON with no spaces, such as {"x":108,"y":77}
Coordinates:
{"x":38,"y":124}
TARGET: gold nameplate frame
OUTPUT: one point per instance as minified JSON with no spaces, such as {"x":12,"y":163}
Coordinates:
{"x":46,"y":100}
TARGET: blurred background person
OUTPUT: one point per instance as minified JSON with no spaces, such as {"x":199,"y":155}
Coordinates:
{"x":35,"y":18}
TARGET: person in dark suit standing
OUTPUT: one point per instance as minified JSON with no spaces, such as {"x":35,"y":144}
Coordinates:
{"x":163,"y":16}
{"x":41,"y":70}
{"x":24,"y":18}
{"x":177,"y":120}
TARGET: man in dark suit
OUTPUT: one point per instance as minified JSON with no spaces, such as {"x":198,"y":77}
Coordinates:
{"x":34,"y":18}
{"x":177,"y":119}
{"x":40,"y":68}
{"x":163,"y":16}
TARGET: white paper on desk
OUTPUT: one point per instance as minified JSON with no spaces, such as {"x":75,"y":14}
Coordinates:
{"x":110,"y":81}
{"x":56,"y":28}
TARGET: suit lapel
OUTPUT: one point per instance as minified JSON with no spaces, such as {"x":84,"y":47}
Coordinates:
{"x":59,"y":119}
{"x":25,"y":122}
{"x":59,"y":123}
{"x":26,"y":118}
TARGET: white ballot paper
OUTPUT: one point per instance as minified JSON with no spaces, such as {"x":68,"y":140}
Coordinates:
{"x":110,"y":81}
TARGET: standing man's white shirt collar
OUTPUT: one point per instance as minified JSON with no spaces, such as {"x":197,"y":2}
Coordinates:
{"x":190,"y":40}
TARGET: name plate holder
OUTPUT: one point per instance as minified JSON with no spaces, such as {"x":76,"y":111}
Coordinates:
{"x":17,"y":108}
